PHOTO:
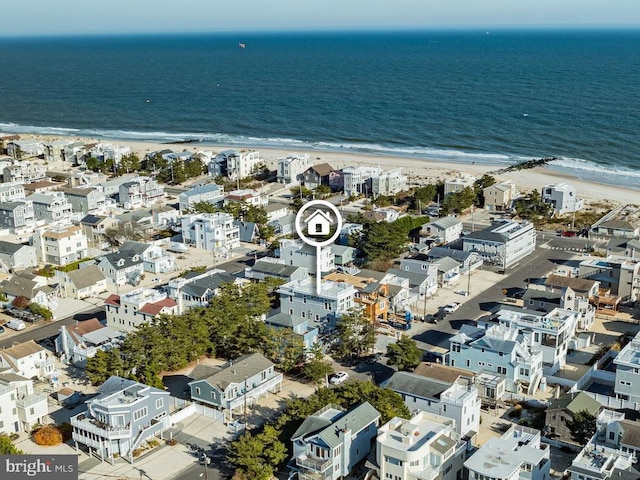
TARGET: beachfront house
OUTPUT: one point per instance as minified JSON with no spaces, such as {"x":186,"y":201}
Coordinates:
{"x":499,"y":197}
{"x":121,"y":418}
{"x":423,"y":447}
{"x":503,"y":243}
{"x":357,"y":180}
{"x":459,"y":183}
{"x":562,"y":197}
{"x":235,"y":386}
{"x":317,"y":175}
{"x":292,"y":167}
{"x":332,"y":441}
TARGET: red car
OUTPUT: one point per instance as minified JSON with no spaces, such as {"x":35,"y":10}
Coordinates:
{"x":568,"y":233}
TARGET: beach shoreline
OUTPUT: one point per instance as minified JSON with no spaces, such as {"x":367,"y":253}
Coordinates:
{"x":419,"y":170}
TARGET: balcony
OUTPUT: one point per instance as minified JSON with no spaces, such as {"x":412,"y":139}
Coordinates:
{"x":30,"y":400}
{"x":317,"y":465}
{"x":101,"y":429}
{"x":429,"y":473}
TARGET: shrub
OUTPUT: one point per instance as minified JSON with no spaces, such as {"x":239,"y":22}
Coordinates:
{"x":20,"y":302}
{"x":172,"y":441}
{"x":48,"y":435}
{"x":137,"y":452}
{"x":153,"y":443}
{"x":66,"y":430}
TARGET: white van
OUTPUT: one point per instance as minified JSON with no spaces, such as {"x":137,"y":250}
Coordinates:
{"x":16,"y":324}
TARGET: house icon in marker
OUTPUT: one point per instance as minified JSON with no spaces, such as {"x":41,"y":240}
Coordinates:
{"x":318,"y":223}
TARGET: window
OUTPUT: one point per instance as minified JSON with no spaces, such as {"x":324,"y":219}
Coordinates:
{"x":455,"y":347}
{"x":138,"y":414}
{"x":159,"y":403}
{"x":197,"y":390}
{"x":502,"y":370}
{"x":392,"y":460}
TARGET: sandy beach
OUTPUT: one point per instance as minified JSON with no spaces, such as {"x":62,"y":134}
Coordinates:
{"x":419,"y":170}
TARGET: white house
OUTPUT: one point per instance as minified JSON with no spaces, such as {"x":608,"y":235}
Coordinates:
{"x":423,"y":447}
{"x":441,"y":231}
{"x":503,"y":243}
{"x":215,"y":232}
{"x":60,"y":245}
{"x":292,"y":167}
{"x":252,"y":197}
{"x":388,"y":183}
{"x":85,"y":282}
{"x":22,"y":408}
{"x":128,"y":311}
{"x":11,"y":192}
{"x":331,"y":442}
{"x":627,"y":363}
{"x":28,"y":359}
{"x":17,"y":256}
{"x":212,"y":193}
{"x":517,"y":455}
{"x":357,"y":180}
{"x":76,"y":343}
{"x":459,"y":183}
{"x":458,"y":401}
{"x":499,"y":197}
{"x":562,"y":197}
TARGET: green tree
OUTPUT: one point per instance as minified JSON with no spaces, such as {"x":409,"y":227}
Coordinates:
{"x":582,"y":427}
{"x":404,"y":354}
{"x":384,"y":201}
{"x":98,"y":368}
{"x":284,"y":348}
{"x":356,"y":334}
{"x":40,"y":310}
{"x":257,"y":456}
{"x":317,"y":369}
{"x":7,"y":447}
{"x":203,"y":207}
{"x":423,"y":196}
{"x":322,"y":191}
{"x":479,"y":185}
{"x":129,"y":163}
{"x":300,"y":192}
{"x":382,"y":240}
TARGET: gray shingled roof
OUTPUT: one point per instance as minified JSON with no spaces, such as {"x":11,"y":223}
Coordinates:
{"x":86,"y":277}
{"x":237,"y":371}
{"x":416,"y":385}
{"x":271,"y":268}
{"x":10,"y":248}
{"x":282,"y":319}
{"x":199,"y":287}
{"x":446,"y":222}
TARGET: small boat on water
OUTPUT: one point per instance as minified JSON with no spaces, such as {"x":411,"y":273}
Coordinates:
{"x":242,"y":45}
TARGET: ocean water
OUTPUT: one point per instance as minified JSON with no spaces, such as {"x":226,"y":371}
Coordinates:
{"x":471,"y":96}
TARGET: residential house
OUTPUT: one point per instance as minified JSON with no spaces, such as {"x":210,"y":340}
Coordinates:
{"x":242,"y":164}
{"x":317,"y":175}
{"x":86,"y":178}
{"x":562,"y":410}
{"x":76,"y":153}
{"x":423,"y":447}
{"x":262,"y":269}
{"x":357,"y":180}
{"x":16,"y":256}
{"x":518,"y":454}
{"x":576,"y":294}
{"x":42,"y":186}
{"x":120,"y":269}
{"x":469,"y":261}
{"x":54,"y":151}
{"x":85,"y":200}
{"x":32,"y":287}
{"x":624,"y":247}
{"x":423,"y":284}
{"x":627,"y":363}
{"x":95,"y":227}
{"x":618,"y":275}
{"x":292,"y":167}
{"x":503,"y":243}
{"x":331,"y":442}
{"x":457,"y":401}
{"x":615,"y":432}
{"x":121,"y":418}
{"x":603,"y":458}
{"x":84,"y":282}
{"x":284,"y":226}
{"x":60,"y":245}
{"x":249,"y":231}
{"x":215,"y":232}
{"x":24,"y":148}
{"x":448,"y":269}
{"x":155,"y":259}
{"x":441,"y":231}
{"x":197,"y":290}
{"x":459,"y":183}
{"x":24,"y":172}
{"x":276,"y":211}
{"x":336,"y":181}
{"x":11,"y":192}
{"x":298,"y":325}
{"x":498,"y":349}
{"x":76,"y":343}
{"x":388,"y":183}
{"x":111,"y":186}
{"x":251,"y":197}
{"x":549,"y":332}
{"x":235,"y":386}
{"x":5,"y":140}
{"x":51,"y":207}
{"x":562,"y":197}
{"x":500,"y":197}
{"x":22,"y":408}
{"x":211,"y":193}
{"x":374,"y":298}
{"x":343,"y":255}
{"x":298,"y":254}
{"x":107,"y":151}
{"x":17,"y":216}
{"x":130,"y":310}
{"x":28,"y":359}
{"x":348,"y":231}
{"x":300,"y":298}
{"x":387,"y":214}
{"x":617,"y":226}
{"x":140,"y":192}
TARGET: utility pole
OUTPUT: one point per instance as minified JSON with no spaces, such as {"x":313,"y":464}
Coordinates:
{"x":245,"y":403}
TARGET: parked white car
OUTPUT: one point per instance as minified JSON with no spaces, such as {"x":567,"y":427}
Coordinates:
{"x":338,"y":378}
{"x":451,"y":307}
